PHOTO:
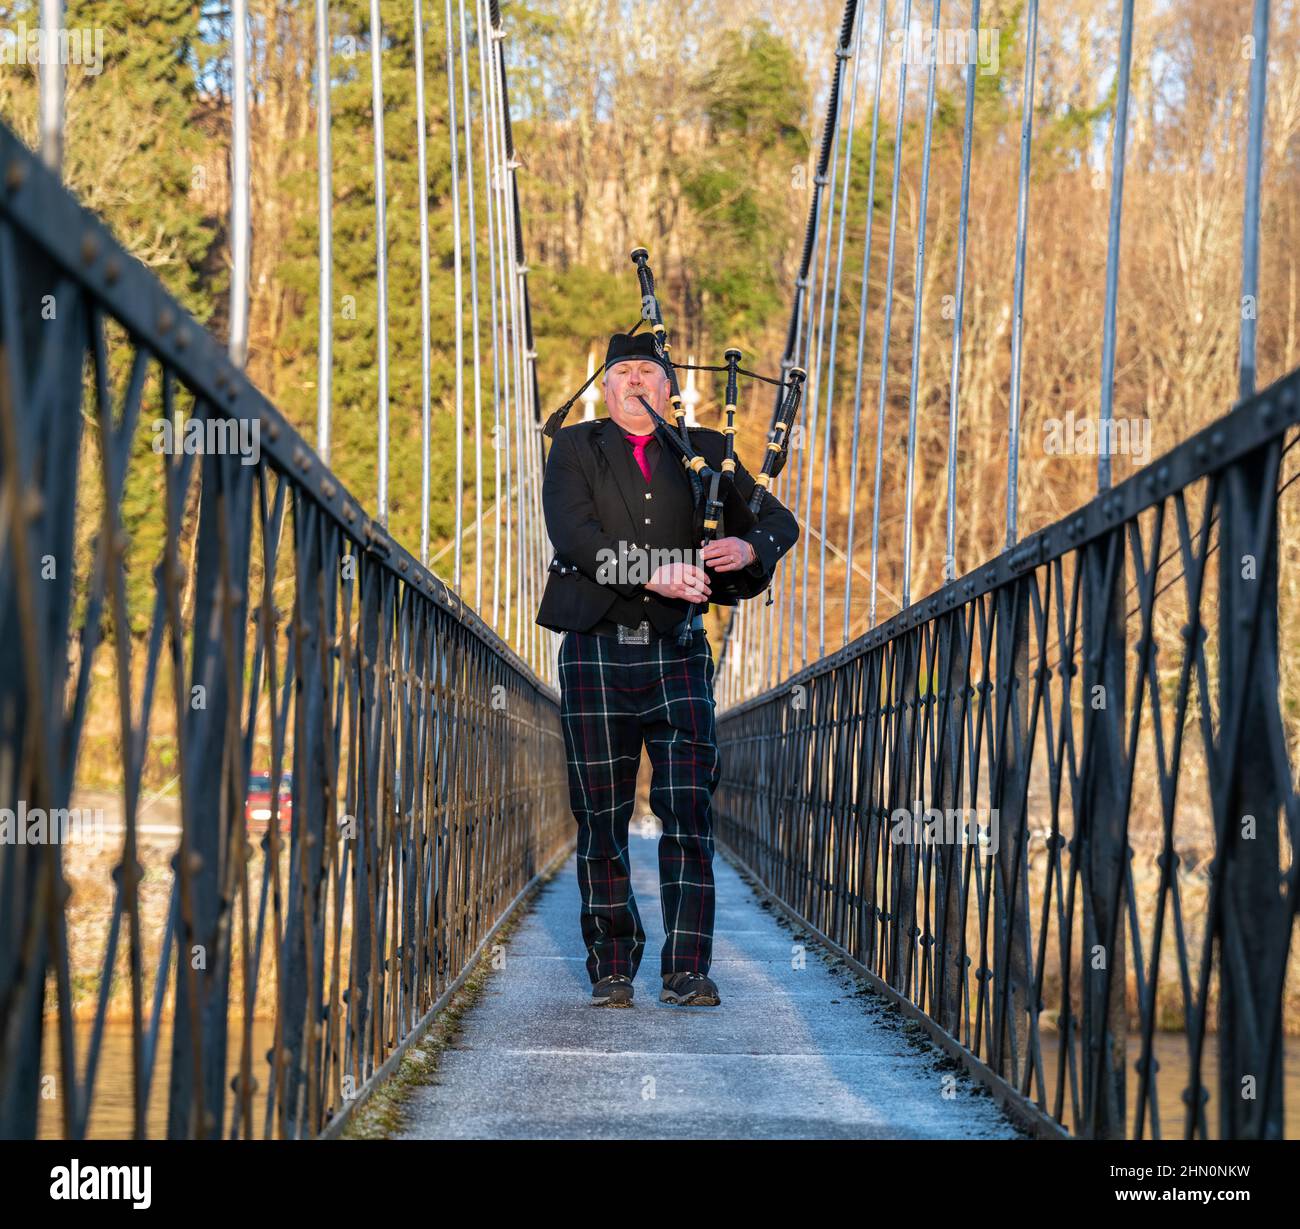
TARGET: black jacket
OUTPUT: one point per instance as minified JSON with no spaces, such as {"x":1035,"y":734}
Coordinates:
{"x":596,"y":503}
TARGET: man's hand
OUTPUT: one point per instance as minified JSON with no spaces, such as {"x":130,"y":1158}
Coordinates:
{"x":728,"y":554}
{"x":683,"y":580}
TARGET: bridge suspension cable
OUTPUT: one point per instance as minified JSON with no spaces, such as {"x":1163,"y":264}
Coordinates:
{"x":779,"y":643}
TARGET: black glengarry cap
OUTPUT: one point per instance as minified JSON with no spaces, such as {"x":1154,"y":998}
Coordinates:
{"x":635,"y":345}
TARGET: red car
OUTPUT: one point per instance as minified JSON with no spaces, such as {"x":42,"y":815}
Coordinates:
{"x":257,"y":805}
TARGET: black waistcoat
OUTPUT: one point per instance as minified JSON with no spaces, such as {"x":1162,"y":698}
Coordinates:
{"x":664,"y":502}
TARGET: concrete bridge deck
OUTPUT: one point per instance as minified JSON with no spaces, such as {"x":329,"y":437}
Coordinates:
{"x":791,"y":1053}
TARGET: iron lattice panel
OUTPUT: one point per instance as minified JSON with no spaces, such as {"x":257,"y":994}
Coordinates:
{"x":428,"y":785}
{"x":1110,"y":689}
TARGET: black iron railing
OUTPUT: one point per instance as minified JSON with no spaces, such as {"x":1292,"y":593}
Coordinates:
{"x":285,"y":632}
{"x":1051,"y":809}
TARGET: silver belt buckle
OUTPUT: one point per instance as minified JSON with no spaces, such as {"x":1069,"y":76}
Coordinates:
{"x":635,"y":635}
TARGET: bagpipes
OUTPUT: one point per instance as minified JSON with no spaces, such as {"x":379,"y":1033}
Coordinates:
{"x":708,"y":510}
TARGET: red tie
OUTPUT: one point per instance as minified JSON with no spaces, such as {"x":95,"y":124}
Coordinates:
{"x":639,"y":443}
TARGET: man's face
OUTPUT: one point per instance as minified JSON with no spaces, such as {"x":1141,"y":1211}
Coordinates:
{"x":623,"y":381}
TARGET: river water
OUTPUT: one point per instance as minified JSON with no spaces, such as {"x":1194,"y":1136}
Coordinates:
{"x":1170,"y":1051}
{"x":111,"y":1113}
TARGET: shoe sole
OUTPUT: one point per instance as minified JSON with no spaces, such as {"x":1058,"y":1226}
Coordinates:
{"x":612,"y":1001}
{"x":689,"y":1000}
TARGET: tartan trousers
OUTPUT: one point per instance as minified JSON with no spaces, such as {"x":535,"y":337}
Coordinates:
{"x":611,"y":697}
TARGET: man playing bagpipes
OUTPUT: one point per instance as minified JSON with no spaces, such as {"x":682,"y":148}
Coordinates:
{"x":639,"y":553}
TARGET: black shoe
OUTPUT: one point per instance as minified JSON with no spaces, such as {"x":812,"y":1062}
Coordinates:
{"x":612,"y":991}
{"x":689,"y":990}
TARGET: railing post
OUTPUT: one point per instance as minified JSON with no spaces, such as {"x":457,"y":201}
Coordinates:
{"x":303,"y":958}
{"x":1008,"y":1046}
{"x":868,"y":808}
{"x":844,"y":735}
{"x":1101,"y":839}
{"x":40,"y":450}
{"x":950,"y":948}
{"x":1252,"y":918}
{"x":904,"y":860}
{"x":220,"y":622}
{"x":363,"y":766}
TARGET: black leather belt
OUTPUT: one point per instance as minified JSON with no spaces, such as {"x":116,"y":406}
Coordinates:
{"x":608,"y":627}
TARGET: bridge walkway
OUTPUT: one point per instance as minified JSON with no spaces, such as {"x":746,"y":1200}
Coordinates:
{"x":797,"y":1048}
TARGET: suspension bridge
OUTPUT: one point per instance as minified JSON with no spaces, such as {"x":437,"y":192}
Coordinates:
{"x":1105,"y":695}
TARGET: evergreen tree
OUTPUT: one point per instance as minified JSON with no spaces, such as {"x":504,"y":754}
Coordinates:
{"x":355,"y":373}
